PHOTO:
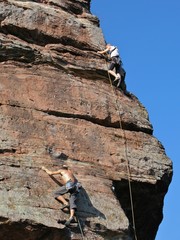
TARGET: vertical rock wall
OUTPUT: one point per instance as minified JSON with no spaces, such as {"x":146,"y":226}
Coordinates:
{"x":56,"y":100}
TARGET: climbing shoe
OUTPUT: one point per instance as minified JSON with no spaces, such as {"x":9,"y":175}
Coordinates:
{"x":61,"y":221}
{"x":65,"y":206}
{"x":69,"y":221}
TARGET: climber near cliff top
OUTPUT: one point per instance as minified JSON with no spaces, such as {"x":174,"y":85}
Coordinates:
{"x":115,"y":61}
{"x":70,"y":185}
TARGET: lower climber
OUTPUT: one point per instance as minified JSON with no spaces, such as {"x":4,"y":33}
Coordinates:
{"x":70,"y":185}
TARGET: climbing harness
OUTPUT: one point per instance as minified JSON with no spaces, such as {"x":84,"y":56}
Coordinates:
{"x":126,"y":154}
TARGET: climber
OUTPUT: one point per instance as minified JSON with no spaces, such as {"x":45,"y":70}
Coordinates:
{"x":71,"y":185}
{"x":115,"y":61}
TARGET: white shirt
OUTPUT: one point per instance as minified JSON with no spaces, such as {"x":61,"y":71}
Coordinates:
{"x":114,"y":51}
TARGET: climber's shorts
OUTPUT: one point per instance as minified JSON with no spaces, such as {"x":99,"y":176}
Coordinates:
{"x":115,"y":63}
{"x":72,"y":200}
{"x":62,"y":190}
{"x":73,"y":193}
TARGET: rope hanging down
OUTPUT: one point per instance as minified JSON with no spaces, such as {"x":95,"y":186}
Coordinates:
{"x":80,"y":228}
{"x":126,"y":156}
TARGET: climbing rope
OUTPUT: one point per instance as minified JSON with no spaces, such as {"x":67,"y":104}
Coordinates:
{"x":80,"y":228}
{"x":126,"y":155}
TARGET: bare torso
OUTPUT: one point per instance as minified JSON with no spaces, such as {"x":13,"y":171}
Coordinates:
{"x":67,"y":175}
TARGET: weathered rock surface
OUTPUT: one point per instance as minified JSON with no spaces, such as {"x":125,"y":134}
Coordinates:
{"x":55,"y":99}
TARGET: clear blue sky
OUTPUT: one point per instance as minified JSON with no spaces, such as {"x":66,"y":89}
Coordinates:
{"x":147,"y":33}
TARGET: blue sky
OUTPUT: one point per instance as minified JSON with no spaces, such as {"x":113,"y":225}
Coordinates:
{"x":147,"y":33}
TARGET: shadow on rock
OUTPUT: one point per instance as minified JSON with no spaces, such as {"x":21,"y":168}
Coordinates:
{"x":86,"y":208}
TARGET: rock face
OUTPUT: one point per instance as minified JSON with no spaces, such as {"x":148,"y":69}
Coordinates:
{"x":56,"y":100}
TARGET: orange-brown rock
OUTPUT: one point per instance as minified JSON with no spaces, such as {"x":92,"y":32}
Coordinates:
{"x":57,"y":106}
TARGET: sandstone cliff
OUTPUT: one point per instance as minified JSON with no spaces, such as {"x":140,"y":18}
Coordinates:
{"x":56,"y":100}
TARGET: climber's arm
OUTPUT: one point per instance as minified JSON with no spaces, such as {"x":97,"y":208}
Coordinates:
{"x":51,"y":172}
{"x":104,"y":51}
